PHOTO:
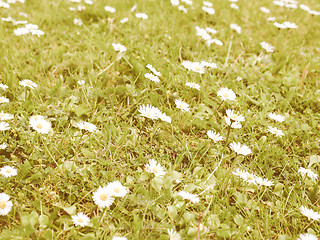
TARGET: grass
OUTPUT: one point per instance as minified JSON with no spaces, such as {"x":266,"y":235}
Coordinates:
{"x":59,"y":172}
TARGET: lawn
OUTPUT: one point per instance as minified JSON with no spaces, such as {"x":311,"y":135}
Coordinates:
{"x":168,"y":119}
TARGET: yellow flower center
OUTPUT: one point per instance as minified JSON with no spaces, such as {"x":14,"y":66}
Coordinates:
{"x":116,"y":189}
{"x":80,"y":220}
{"x":155,"y":170}
{"x":3,"y":204}
{"x":8,"y":171}
{"x":2,"y":115}
{"x":250,"y":177}
{"x":39,"y":125}
{"x":28,"y":82}
{"x":103,"y":197}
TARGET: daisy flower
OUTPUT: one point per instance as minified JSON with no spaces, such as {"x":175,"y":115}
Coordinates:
{"x":77,"y":21}
{"x":182,"y":105}
{"x":124,"y":20}
{"x":165,"y":118}
{"x":5,"y":204}
{"x":173,"y":235}
{"x":81,"y":82}
{"x":174,"y":2}
{"x":234,"y":6}
{"x":240,"y":149}
{"x":216,"y":137}
{"x":266,"y":46}
{"x":153,"y":70}
{"x":103,"y":197}
{"x":189,"y":196}
{"x":155,"y":168}
{"x":211,"y":30}
{"x":249,"y":177}
{"x":234,"y":116}
{"x":193,"y":85}
{"x":308,"y":172}
{"x":5,"y":116}
{"x":209,"y":65}
{"x":3,"y":146}
{"x":265,"y":10}
{"x":3,"y":86}
{"x":109,"y":9}
{"x":86,"y":126}
{"x":40,"y":124}
{"x":116,"y":189}
{"x":235,"y":27}
{"x":271,"y":19}
{"x":208,"y":10}
{"x":182,"y":9}
{"x":28,"y":83}
{"x":4,"y":100}
{"x":119,"y":47}
{"x":207,"y":4}
{"x":4,"y":126}
{"x":149,"y":111}
{"x":152,"y":77}
{"x":141,"y":15}
{"x":202,"y":33}
{"x":188,"y":2}
{"x":119,"y":238}
{"x":309,"y":213}
{"x":8,"y":171}
{"x":276,"y":117}
{"x":307,"y":236}
{"x":275,"y":131}
{"x":264,"y":182}
{"x":226,"y":94}
{"x":80,"y":219}
{"x":215,"y":41}
{"x":234,"y":124}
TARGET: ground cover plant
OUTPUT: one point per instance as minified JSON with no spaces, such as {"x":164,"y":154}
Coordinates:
{"x":171,"y":119}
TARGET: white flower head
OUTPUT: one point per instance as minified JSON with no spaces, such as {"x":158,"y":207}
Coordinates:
{"x":216,"y":137}
{"x":235,"y":116}
{"x":154,"y":167}
{"x":234,"y":6}
{"x":165,"y":118}
{"x":265,"y":10}
{"x":149,"y":111}
{"x":119,"y":47}
{"x":215,"y":41}
{"x":193,"y":85}
{"x":188,"y":2}
{"x":240,"y":149}
{"x":235,"y":27}
{"x":116,"y":189}
{"x":208,"y":4}
{"x":119,"y":238}
{"x":103,"y":197}
{"x":5,"y":204}
{"x":110,"y":9}
{"x":77,"y":21}
{"x":174,"y":2}
{"x":4,"y":100}
{"x":124,"y":20}
{"x":182,"y":105}
{"x":194,"y":198}
{"x":3,"y":146}
{"x":81,"y":82}
{"x":203,"y":33}
{"x":182,"y":9}
{"x":208,"y":10}
{"x":309,"y":213}
{"x":141,"y":15}
{"x":264,"y":182}
{"x":40,"y":124}
{"x":211,"y":30}
{"x":80,"y":219}
{"x":28,"y":83}
{"x":3,"y":86}
{"x":275,"y":131}
{"x":173,"y":235}
{"x":226,"y":94}
{"x":86,"y":126}
{"x":276,"y":117}
{"x":152,"y":77}
{"x":307,"y":236}
{"x":153,"y":70}
{"x":234,"y":124}
{"x":308,"y":172}
{"x":266,"y":46}
{"x":8,"y":171}
{"x":4,"y":126}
